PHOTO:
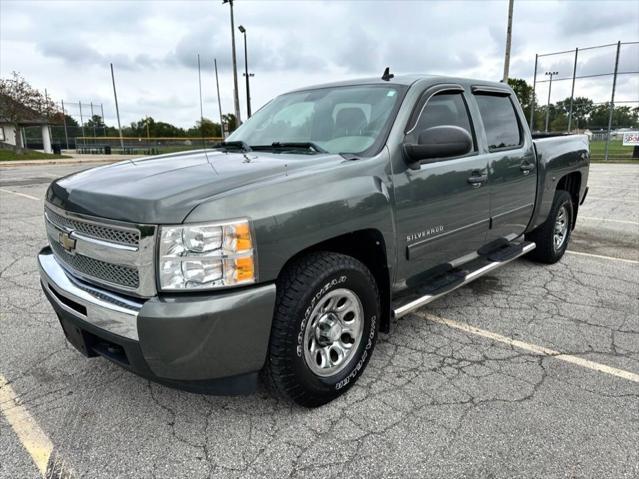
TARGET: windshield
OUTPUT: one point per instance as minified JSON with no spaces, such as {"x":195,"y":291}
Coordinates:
{"x":348,"y":119}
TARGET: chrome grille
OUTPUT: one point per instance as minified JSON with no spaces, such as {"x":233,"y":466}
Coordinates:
{"x":106,"y":233}
{"x":114,"y":255}
{"x":110,"y":273}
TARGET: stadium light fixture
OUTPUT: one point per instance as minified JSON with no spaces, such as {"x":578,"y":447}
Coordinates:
{"x":246,"y":74}
{"x":236,"y":98}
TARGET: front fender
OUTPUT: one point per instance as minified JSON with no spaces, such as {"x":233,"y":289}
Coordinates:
{"x":292,"y":214}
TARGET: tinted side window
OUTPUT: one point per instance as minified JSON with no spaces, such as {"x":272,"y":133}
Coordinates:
{"x":500,"y":121}
{"x":444,"y":109}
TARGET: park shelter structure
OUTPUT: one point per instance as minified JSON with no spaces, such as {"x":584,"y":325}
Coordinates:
{"x":27,"y":118}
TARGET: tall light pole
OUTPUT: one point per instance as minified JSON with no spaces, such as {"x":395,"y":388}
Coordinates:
{"x":219,"y":100}
{"x":246,"y":74}
{"x":509,"y":32}
{"x":117,"y":109}
{"x":550,"y":74}
{"x":236,"y":98}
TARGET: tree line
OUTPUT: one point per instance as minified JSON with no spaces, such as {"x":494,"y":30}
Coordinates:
{"x":144,"y":127}
{"x":586,"y":114}
{"x":21,"y":103}
{"x":19,"y":100}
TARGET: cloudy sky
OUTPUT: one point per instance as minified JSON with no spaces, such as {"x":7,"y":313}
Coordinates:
{"x":66,"y":47}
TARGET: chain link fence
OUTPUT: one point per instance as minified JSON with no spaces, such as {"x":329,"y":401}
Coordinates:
{"x":80,"y":126}
{"x":71,"y":121}
{"x":593,"y":90}
{"x":140,"y":145}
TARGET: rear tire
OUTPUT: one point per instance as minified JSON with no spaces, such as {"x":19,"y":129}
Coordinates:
{"x":324,"y":328}
{"x":553,"y":235}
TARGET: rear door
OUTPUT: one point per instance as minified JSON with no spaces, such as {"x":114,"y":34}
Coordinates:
{"x":512,"y":170}
{"x":442,"y":208}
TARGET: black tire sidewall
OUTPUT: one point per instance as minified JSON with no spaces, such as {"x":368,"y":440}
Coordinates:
{"x":562,"y":199}
{"x":543,"y":236}
{"x":360,"y":283}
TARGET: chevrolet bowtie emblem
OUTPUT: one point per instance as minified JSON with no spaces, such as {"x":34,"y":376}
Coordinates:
{"x":66,"y":242}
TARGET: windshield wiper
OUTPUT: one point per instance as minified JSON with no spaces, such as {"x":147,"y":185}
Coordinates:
{"x":233,"y":145}
{"x":291,"y":145}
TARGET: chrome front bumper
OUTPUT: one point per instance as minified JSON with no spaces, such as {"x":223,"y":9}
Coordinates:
{"x":101,"y":308}
{"x":203,"y":343}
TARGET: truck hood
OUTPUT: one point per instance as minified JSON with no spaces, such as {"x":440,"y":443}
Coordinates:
{"x":165,"y":189}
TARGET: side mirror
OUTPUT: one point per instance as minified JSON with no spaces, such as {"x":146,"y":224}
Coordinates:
{"x":438,"y":143}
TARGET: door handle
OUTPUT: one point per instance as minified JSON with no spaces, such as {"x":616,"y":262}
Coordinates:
{"x":527,"y":167}
{"x":477,"y":180}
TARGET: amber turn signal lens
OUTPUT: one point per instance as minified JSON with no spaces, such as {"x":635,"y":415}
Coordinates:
{"x":244,"y":269}
{"x":243,"y":237}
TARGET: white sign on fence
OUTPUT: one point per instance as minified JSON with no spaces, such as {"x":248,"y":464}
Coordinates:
{"x":631,"y":138}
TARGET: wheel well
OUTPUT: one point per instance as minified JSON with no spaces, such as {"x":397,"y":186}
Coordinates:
{"x":572,"y":184}
{"x":367,"y":246}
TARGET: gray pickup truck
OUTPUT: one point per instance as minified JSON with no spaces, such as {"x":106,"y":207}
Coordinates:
{"x":282,"y":252}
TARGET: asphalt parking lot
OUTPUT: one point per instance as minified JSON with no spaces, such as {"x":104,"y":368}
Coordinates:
{"x":531,"y":371}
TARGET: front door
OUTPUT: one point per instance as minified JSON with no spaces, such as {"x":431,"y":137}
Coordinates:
{"x":442,"y":208}
{"x":512,"y":171}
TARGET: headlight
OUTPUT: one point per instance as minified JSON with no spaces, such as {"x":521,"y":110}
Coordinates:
{"x":206,"y":256}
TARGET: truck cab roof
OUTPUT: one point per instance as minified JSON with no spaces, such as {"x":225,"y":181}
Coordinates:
{"x":410,"y":79}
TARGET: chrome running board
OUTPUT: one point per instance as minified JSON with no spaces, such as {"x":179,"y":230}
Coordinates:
{"x":476,"y":269}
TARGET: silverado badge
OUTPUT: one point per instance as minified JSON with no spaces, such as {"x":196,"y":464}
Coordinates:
{"x":412,"y":237}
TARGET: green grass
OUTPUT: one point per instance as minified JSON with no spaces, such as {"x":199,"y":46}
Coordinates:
{"x":10,"y":155}
{"x":616,"y":151}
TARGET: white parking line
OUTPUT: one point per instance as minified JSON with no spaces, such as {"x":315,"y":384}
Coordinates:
{"x":590,"y":218}
{"x":33,"y":439}
{"x":20,"y":194}
{"x":613,"y":258}
{"x":533,"y":348}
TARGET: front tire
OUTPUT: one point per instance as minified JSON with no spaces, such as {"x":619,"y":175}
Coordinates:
{"x":553,"y":235}
{"x":324,"y":328}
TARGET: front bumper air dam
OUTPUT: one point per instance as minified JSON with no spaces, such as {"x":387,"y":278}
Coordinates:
{"x":213,"y":343}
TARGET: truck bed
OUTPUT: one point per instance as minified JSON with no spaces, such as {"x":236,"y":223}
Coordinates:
{"x":566,"y":157}
{"x":554,"y":147}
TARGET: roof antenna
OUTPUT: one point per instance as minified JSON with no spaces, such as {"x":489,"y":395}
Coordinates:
{"x":387,"y":74}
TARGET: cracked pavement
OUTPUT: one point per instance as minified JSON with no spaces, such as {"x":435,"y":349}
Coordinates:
{"x":434,"y":401}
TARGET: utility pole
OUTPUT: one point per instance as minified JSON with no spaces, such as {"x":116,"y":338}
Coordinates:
{"x":236,"y":98}
{"x":246,"y":74}
{"x":509,"y":32}
{"x":551,"y":74}
{"x":219,"y":100}
{"x":117,"y":109}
